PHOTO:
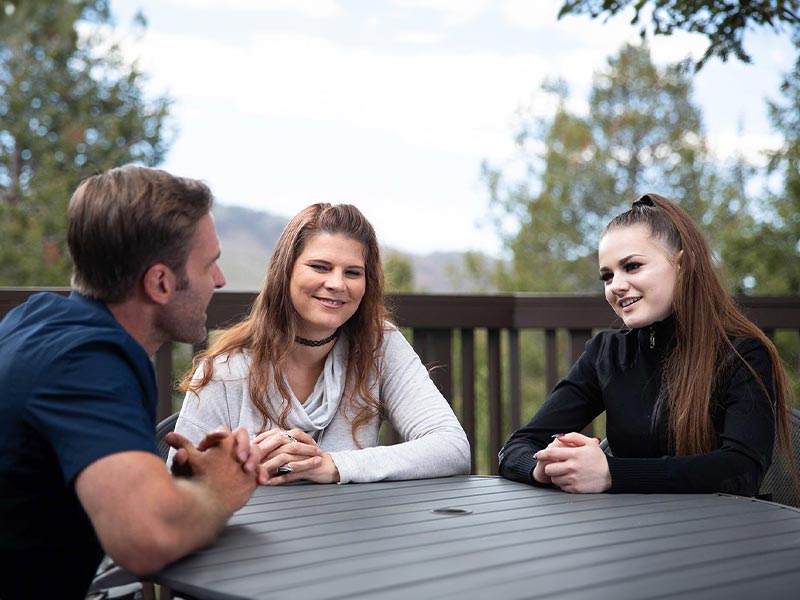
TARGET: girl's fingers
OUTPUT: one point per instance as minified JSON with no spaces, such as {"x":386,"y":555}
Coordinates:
{"x":299,"y":470}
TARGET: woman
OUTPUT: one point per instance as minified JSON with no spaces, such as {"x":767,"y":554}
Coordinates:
{"x":692,"y":389}
{"x":316,"y":366}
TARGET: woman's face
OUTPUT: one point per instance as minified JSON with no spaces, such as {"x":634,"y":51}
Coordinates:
{"x":638,"y":274}
{"x":327,"y":283}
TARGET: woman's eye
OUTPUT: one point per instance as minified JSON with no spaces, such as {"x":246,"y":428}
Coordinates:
{"x":632,"y":266}
{"x":354,"y":274}
{"x":606,"y":277}
{"x":319,"y":268}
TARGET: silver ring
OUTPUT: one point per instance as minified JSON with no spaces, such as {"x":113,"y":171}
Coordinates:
{"x":288,"y":435}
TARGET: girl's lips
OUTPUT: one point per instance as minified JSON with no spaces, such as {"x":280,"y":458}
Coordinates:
{"x":628,"y":302}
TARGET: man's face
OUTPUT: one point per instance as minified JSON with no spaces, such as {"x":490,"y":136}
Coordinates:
{"x":184,"y":318}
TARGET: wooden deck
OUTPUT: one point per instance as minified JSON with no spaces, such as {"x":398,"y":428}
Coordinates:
{"x":488,"y":538}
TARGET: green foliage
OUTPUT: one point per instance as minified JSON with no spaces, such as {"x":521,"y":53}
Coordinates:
{"x":399,"y":273}
{"x":763,"y":256}
{"x":478,"y":269}
{"x":723,"y":22}
{"x":70,"y":106}
{"x":642,"y":133}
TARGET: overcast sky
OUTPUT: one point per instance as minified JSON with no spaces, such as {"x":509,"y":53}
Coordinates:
{"x":393,"y":104}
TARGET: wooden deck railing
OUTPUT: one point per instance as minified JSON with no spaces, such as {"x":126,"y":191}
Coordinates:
{"x":473,"y":345}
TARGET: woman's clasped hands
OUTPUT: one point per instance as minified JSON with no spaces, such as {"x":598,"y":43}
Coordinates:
{"x":575,"y":463}
{"x":293,"y":455}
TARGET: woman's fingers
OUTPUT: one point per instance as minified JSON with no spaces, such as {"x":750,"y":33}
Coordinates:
{"x":285,"y":436}
{"x":583,"y":469}
{"x":302,"y":436}
{"x":291,"y":470}
{"x":286,"y":458}
{"x":577,"y":439}
{"x":271,"y":448}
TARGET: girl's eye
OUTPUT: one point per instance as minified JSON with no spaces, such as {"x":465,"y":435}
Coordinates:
{"x":354,"y":274}
{"x":606,"y":277}
{"x":319,"y":268}
{"x":632,"y":266}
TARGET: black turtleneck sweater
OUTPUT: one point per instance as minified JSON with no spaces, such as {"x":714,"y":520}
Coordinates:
{"x":621,"y":372}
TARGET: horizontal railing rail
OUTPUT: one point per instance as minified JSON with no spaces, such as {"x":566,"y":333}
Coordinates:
{"x":473,"y":348}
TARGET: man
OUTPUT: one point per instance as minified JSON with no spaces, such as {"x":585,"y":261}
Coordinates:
{"x":79,"y":469}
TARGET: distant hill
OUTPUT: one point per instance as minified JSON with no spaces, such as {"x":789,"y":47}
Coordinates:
{"x":248,"y":237}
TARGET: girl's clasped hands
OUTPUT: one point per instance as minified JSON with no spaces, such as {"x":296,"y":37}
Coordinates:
{"x":292,"y":455}
{"x":573,"y":462}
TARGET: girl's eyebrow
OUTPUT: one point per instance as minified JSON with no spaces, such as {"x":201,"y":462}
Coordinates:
{"x":327,"y":262}
{"x":622,"y":261}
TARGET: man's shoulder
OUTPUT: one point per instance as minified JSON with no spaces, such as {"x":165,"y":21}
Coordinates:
{"x":61,"y":320}
{"x":55,"y":332}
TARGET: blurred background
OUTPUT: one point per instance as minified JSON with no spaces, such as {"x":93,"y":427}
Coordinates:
{"x":487,"y":141}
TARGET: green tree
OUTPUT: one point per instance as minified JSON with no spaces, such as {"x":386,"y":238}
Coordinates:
{"x":549,"y":245}
{"x":723,"y":22}
{"x":768,"y":260}
{"x":70,"y":106}
{"x":399,"y":273}
{"x":642,"y":133}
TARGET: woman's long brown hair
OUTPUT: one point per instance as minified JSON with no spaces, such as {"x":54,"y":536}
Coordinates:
{"x":706,"y":322}
{"x":268,"y":332}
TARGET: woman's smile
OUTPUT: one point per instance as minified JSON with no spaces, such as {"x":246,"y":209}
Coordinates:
{"x":327,"y":284}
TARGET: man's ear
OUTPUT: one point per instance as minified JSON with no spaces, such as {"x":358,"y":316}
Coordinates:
{"x":159,"y":283}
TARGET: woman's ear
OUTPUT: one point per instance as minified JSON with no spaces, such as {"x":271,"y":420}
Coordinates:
{"x":678,"y":258}
{"x":159,"y":283}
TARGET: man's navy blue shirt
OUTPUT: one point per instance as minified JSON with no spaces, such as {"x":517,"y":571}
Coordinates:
{"x":74,"y":387}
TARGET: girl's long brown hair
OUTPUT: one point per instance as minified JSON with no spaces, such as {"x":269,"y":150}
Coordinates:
{"x":268,"y":332}
{"x":706,"y":322}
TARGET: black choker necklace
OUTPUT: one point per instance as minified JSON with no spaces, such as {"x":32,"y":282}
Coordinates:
{"x":316,"y":343}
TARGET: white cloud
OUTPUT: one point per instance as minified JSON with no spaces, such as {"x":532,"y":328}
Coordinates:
{"x":315,"y":9}
{"x":453,"y":13}
{"x":459,"y":102}
{"x":419,"y":38}
{"x":524,"y":14}
{"x":729,"y":145}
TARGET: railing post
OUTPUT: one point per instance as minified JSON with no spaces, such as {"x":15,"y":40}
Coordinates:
{"x":551,"y":360}
{"x":468,"y":391}
{"x":577,"y":343}
{"x":515,"y":380}
{"x":434,"y":347}
{"x":164,"y":380}
{"x":495,"y":397}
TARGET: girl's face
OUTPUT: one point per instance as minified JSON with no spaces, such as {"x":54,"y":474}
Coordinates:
{"x":638,"y":274}
{"x":327,"y":284}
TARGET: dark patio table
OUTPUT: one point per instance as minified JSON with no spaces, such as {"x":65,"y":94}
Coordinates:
{"x":486,"y":537}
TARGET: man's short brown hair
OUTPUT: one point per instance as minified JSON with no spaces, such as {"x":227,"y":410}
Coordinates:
{"x":122,"y":222}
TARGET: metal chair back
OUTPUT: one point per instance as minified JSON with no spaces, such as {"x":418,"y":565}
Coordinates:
{"x":779,"y":484}
{"x":162,"y":429}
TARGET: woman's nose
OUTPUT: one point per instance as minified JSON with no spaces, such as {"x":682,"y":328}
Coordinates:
{"x":335,"y":280}
{"x":619,"y":284}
